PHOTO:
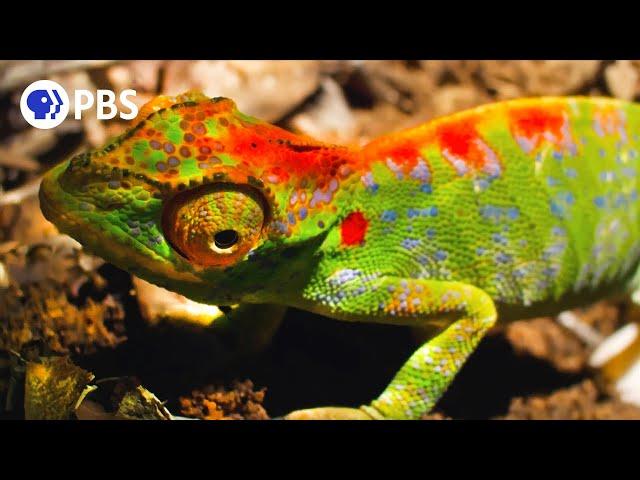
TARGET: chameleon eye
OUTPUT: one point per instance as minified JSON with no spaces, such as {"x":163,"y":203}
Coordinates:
{"x":214,"y":225}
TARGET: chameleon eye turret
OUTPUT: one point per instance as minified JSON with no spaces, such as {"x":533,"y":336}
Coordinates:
{"x":214,"y":225}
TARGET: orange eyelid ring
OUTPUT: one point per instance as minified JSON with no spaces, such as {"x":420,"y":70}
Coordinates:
{"x":215,"y":225}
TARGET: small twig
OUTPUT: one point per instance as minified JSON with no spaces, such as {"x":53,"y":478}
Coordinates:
{"x":20,"y":194}
{"x":32,"y":142}
{"x":16,"y":73}
{"x":12,"y":159}
{"x":6,"y":247}
{"x":582,"y":330}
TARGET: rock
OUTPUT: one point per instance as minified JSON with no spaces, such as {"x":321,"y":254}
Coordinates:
{"x":536,"y":77}
{"x":454,"y":98}
{"x":158,"y":305}
{"x":265,"y":89}
{"x":578,"y":402}
{"x":329,"y":119}
{"x":622,"y":79}
{"x":138,"y":75}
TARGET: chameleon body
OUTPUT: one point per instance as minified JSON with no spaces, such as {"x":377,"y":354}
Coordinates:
{"x":508,"y":210}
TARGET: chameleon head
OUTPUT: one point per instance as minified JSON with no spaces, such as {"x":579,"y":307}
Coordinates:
{"x":186,"y":200}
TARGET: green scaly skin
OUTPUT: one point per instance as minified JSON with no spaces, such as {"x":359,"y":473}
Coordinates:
{"x":509,"y":210}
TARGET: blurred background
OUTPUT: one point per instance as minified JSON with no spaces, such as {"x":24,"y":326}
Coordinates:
{"x":56,"y":300}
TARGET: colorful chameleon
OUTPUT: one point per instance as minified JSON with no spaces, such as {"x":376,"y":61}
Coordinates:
{"x":509,"y":210}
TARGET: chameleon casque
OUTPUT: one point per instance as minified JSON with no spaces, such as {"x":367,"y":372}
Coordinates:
{"x":510,"y":210}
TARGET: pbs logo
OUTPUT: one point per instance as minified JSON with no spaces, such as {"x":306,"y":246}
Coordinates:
{"x":44,"y":104}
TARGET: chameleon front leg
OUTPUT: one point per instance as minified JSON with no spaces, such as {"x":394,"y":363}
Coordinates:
{"x":249,"y":328}
{"x":424,"y":378}
{"x":237,"y":331}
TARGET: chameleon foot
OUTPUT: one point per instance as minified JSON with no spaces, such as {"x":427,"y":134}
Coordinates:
{"x":334,"y":413}
{"x":427,"y":374}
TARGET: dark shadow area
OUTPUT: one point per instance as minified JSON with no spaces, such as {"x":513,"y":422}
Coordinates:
{"x":313,"y":361}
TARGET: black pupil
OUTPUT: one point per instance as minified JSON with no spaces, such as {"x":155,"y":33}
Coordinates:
{"x":225,"y":238}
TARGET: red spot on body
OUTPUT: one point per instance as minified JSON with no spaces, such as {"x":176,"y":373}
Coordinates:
{"x":536,"y":124}
{"x":461,"y":139}
{"x":535,"y":120}
{"x":405,"y":154}
{"x":353,"y":229}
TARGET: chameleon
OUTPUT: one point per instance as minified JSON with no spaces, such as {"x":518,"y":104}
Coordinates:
{"x":509,"y":210}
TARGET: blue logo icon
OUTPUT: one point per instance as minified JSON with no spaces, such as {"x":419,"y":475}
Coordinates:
{"x":41,"y":104}
{"x":44,"y":104}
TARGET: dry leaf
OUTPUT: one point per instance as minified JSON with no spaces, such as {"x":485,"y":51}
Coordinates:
{"x":141,"y":404}
{"x":53,"y":388}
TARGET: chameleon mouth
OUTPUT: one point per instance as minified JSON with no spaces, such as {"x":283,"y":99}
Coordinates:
{"x":52,"y":197}
{"x":113,"y":244}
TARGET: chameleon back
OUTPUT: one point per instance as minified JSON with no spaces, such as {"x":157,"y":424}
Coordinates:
{"x":534,"y":201}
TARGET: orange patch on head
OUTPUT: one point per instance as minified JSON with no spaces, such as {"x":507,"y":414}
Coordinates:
{"x":271,"y":150}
